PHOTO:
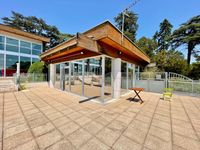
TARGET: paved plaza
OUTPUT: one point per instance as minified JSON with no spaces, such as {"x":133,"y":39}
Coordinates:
{"x":44,"y":118}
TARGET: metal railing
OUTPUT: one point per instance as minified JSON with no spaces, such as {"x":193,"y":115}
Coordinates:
{"x":30,"y":78}
{"x":176,"y":81}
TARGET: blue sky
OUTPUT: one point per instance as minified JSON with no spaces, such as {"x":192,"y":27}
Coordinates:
{"x":72,"y":16}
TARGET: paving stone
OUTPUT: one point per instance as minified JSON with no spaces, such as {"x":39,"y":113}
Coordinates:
{"x":117,"y":126}
{"x":108,"y":136}
{"x":60,"y":121}
{"x":186,"y":143}
{"x":155,"y":143}
{"x":135,"y":134}
{"x":124,"y":143}
{"x":160,"y":133}
{"x":17,"y":139}
{"x":68,"y":128}
{"x":79,"y":137}
{"x":31,"y":145}
{"x":94,"y":144}
{"x":48,"y":139}
{"x":74,"y":115}
{"x":93,"y":127}
{"x":62,"y":145}
{"x":43,"y":129}
{"x":185,"y":132}
{"x":15,"y":130}
{"x":83,"y":120}
{"x":161,"y":124}
{"x":124,"y":119}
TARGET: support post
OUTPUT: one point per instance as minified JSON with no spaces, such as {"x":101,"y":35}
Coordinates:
{"x":103,"y":78}
{"x":116,"y":73}
{"x":70,"y":73}
{"x":134,"y":76}
{"x":127,"y":76}
{"x":83,"y":76}
{"x":52,"y":75}
{"x":166,"y":80}
{"x":62,"y":77}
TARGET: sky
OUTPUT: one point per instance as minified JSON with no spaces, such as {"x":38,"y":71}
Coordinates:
{"x":72,"y":16}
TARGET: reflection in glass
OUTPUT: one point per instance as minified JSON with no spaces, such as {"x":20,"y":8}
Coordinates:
{"x":108,"y":79}
{"x":1,"y":65}
{"x":76,"y":77}
{"x":11,"y":64}
{"x":92,"y":78}
{"x":24,"y":64}
{"x":123,"y":77}
{"x":57,"y":80}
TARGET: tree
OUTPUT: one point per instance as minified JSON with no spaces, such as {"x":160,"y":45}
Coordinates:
{"x":147,"y":45}
{"x":130,"y":24}
{"x":171,"y":61}
{"x":162,"y":36}
{"x":188,"y":33}
{"x":195,"y":71}
{"x":37,"y":26}
{"x":37,"y":67}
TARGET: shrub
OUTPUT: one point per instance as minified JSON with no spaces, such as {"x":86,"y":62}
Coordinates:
{"x":37,"y":67}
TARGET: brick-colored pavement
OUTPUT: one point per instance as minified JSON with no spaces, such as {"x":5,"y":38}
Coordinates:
{"x":44,"y":118}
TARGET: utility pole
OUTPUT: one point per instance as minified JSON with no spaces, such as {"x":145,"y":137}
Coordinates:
{"x":123,"y":16}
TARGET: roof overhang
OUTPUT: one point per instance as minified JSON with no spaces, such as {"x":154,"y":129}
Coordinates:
{"x":23,"y":33}
{"x":102,"y":39}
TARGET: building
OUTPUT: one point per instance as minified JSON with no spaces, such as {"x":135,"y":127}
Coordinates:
{"x":98,"y":64}
{"x":18,"y":46}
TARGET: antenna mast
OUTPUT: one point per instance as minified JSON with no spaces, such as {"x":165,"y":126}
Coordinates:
{"x":123,"y":16}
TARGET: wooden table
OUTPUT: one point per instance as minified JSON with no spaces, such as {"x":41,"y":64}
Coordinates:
{"x":137,"y":92}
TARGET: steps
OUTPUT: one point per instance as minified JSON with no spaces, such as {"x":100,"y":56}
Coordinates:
{"x":7,"y":85}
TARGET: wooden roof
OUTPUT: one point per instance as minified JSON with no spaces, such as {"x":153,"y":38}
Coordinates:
{"x":23,"y":33}
{"x":102,"y":39}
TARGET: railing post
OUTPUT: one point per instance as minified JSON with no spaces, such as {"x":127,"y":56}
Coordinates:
{"x":192,"y":86}
{"x":166,"y":80}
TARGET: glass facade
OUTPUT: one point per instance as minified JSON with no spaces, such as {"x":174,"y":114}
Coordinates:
{"x":90,"y":78}
{"x":25,"y":47}
{"x":2,"y":42}
{"x":25,"y":62}
{"x":11,"y":64}
{"x":1,"y":65}
{"x":12,"y":45}
{"x":17,"y":50}
{"x":36,"y":49}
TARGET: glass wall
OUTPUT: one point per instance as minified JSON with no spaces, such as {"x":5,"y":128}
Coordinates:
{"x":76,"y":77}
{"x":108,"y":79}
{"x":35,"y":60}
{"x":11,"y":64}
{"x":67,"y":77}
{"x":12,"y":45}
{"x":1,"y":65}
{"x":130,"y":75}
{"x":25,"y":47}
{"x":84,"y":77}
{"x":36,"y":49}
{"x":2,"y":41}
{"x":25,"y":63}
{"x":93,"y":77}
{"x":27,"y":51}
{"x":57,"y":79}
{"x":123,"y":77}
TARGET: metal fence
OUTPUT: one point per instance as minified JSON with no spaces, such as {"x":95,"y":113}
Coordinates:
{"x":29,"y":78}
{"x":157,"y":81}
